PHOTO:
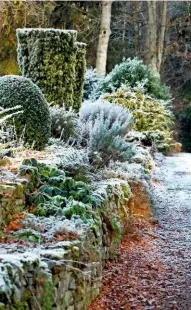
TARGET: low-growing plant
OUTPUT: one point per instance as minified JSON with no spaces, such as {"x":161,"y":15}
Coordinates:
{"x":50,"y":191}
{"x":29,"y":235}
{"x":48,"y":209}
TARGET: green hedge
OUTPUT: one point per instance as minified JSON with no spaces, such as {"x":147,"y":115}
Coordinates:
{"x":80,"y":72}
{"x":34,"y":123}
{"x":48,"y":57}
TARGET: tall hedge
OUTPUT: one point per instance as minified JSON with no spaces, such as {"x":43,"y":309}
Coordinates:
{"x":34,"y":123}
{"x":48,"y":57}
{"x":80,"y":72}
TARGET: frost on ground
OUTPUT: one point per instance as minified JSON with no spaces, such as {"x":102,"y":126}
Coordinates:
{"x":172,"y":199}
{"x":153,"y":270}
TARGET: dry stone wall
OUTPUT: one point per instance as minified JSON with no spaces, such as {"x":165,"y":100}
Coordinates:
{"x":12,"y":197}
{"x":63,"y":275}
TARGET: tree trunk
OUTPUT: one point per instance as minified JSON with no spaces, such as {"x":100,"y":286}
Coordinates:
{"x":161,"y":33}
{"x":152,"y":35}
{"x":101,"y":59}
{"x":155,"y":33}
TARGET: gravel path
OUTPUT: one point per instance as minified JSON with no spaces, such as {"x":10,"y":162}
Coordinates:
{"x":153,"y":270}
{"x":172,"y":200}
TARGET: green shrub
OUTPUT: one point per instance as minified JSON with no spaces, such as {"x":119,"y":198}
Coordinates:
{"x":79,"y":71}
{"x":35,"y":121}
{"x":151,"y":118}
{"x":133,"y":73}
{"x":55,"y":62}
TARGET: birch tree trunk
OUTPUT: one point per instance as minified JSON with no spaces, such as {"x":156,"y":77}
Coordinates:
{"x":101,"y":59}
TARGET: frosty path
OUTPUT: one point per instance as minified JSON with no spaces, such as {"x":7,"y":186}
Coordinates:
{"x":154,"y":266}
{"x":172,"y":200}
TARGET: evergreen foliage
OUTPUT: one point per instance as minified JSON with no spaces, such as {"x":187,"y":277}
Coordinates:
{"x":151,"y":118}
{"x":133,"y":73}
{"x":91,"y":84}
{"x":35,"y":119}
{"x":48,"y":57}
{"x":80,"y":71}
{"x":59,"y":195}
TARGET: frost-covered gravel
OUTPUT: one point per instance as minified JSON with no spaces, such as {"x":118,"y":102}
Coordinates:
{"x":172,"y":201}
{"x":153,"y":270}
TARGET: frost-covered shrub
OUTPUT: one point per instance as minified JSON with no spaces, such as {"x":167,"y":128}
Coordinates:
{"x":143,"y":157}
{"x":74,"y":162}
{"x":91,"y":84}
{"x":125,"y":171}
{"x":6,"y":114}
{"x":148,"y":113}
{"x":50,"y":58}
{"x":53,"y":226}
{"x":111,"y":111}
{"x":104,"y":127}
{"x":35,"y":120}
{"x":7,"y":134}
{"x":79,"y":75}
{"x":133,"y":73}
{"x":152,"y":119}
{"x":63,"y":125}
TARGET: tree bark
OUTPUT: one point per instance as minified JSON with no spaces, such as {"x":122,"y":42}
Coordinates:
{"x":152,"y":35}
{"x":101,"y":59}
{"x":155,"y":33}
{"x":161,"y":33}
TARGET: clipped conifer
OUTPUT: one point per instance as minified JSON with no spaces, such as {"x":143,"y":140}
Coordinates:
{"x":48,"y":57}
{"x":80,"y":72}
{"x":34,"y":123}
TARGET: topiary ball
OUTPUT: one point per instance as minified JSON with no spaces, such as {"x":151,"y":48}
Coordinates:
{"x":35,"y":122}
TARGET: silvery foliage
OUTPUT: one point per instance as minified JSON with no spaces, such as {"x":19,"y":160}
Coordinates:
{"x":103,"y":127}
{"x":91,"y":84}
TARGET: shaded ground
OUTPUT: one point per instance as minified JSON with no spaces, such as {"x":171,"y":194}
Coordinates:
{"x":153,"y":270}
